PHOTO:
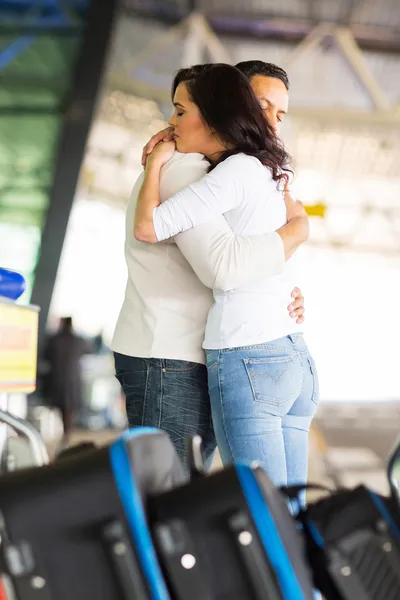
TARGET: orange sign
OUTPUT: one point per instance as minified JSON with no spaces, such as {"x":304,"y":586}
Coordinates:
{"x":18,"y":347}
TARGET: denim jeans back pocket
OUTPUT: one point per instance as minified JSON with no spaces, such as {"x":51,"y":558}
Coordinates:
{"x":274,"y":380}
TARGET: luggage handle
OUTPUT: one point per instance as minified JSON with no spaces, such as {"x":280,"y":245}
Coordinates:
{"x":26,"y":579}
{"x":260,"y":573}
{"x":195,"y":457}
{"x":392,"y":472}
{"x":292,"y":491}
{"x":178,"y":557}
{"x":20,"y":566}
{"x":124,"y":561}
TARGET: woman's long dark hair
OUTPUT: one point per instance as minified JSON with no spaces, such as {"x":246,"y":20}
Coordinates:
{"x":230,"y":108}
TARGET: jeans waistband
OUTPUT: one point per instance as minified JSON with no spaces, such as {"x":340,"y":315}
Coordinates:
{"x":292,"y":342}
{"x":298,"y":341}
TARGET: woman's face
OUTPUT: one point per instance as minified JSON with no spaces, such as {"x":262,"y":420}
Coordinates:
{"x":192,"y":134}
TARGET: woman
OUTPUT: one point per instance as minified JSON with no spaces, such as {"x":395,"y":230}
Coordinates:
{"x":262,"y":379}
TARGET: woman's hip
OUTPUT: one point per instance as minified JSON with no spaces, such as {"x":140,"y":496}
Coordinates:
{"x":257,"y":379}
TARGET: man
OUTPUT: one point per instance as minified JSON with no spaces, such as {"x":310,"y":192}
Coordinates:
{"x":158,"y":338}
{"x":63,"y":352}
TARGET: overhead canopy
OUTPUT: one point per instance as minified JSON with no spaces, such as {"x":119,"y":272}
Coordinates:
{"x":344,"y":122}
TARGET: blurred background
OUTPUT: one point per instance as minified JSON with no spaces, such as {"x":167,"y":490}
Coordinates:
{"x":83,"y":86}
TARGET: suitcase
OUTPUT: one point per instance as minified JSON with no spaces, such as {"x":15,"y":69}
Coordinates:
{"x":77,"y":529}
{"x":229,"y":536}
{"x":353,"y":541}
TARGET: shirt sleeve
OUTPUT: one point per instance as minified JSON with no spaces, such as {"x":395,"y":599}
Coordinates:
{"x":215,"y":194}
{"x":223,"y":261}
{"x":220,"y":259}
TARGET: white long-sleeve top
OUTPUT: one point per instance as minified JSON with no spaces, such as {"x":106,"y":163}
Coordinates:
{"x":166,"y":301}
{"x":243,"y":190}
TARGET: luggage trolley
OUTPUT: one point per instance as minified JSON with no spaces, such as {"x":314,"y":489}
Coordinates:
{"x":18,"y":361}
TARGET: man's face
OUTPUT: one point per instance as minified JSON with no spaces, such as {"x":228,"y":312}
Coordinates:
{"x":273,"y":98}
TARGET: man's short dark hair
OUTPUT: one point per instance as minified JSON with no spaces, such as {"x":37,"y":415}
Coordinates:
{"x":250,"y":68}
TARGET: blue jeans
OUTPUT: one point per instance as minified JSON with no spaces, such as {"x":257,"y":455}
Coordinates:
{"x":263,"y":399}
{"x":171,"y":395}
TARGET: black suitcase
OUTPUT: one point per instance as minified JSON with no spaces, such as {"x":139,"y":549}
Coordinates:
{"x":77,"y":529}
{"x":353,"y":540}
{"x":229,"y":536}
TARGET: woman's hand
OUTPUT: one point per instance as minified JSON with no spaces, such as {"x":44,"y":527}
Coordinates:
{"x":166,"y":135}
{"x":149,"y":195}
{"x":161,"y":154}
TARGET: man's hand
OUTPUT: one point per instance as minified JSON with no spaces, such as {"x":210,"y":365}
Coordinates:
{"x":296,"y":308}
{"x":297,"y":229}
{"x":166,"y":135}
{"x":294,"y":209}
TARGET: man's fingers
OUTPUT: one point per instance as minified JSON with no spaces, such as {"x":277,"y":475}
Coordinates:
{"x":296,"y":310}
{"x":297,"y":303}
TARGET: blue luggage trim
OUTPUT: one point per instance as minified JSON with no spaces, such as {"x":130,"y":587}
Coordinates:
{"x":269,"y":535}
{"x":131,"y":501}
{"x":315,"y":534}
{"x":319,"y":540}
{"x":388,"y":517}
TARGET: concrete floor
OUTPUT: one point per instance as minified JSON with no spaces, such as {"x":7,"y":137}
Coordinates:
{"x":347,"y":459}
{"x":349,"y":444}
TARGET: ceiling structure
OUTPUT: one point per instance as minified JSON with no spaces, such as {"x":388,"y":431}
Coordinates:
{"x":375,"y":25}
{"x":343,"y":59}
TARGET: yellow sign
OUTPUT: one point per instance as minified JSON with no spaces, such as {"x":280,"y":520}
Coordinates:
{"x":316,"y":210}
{"x":18,"y":347}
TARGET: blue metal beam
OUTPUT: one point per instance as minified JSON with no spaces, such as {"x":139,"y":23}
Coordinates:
{"x":15,"y":49}
{"x":43,"y":13}
{"x":25,"y":5}
{"x":38,"y":15}
{"x":40,"y":20}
